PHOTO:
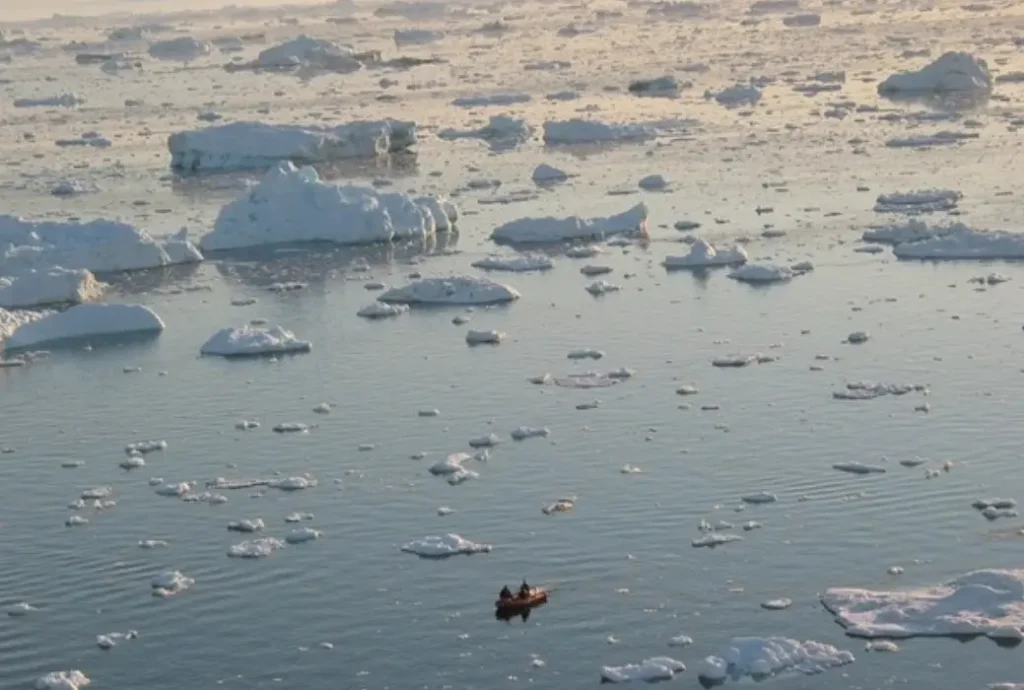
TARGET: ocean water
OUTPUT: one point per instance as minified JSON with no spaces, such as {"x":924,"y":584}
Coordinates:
{"x":623,"y":574}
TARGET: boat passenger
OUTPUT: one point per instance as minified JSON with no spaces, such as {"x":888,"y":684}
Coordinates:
{"x":524,"y":590}
{"x":505,"y":594}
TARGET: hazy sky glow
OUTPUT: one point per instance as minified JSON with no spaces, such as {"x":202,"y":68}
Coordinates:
{"x":21,"y":10}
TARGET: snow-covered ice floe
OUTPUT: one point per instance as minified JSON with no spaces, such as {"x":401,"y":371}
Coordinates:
{"x":649,"y":671}
{"x":181,"y":49}
{"x":868,"y":390}
{"x":703,"y":255}
{"x":171,"y":582}
{"x":922,"y":201}
{"x":292,"y":205}
{"x":444,"y":546}
{"x":62,"y":680}
{"x":758,"y":658}
{"x":100,"y":246}
{"x":501,"y":133}
{"x":953,"y":72}
{"x":965,"y":244}
{"x":913,"y":230}
{"x":308,"y":54}
{"x":762,"y":273}
{"x":553,"y":230}
{"x":490,"y":337}
{"x":55,"y":286}
{"x":460,"y":290}
{"x":380,"y":310}
{"x":983,"y":602}
{"x":516,"y":264}
{"x":713,"y":539}
{"x":255,"y":548}
{"x":579,"y":131}
{"x":252,"y":341}
{"x":242,"y":145}
{"x":86,"y":320}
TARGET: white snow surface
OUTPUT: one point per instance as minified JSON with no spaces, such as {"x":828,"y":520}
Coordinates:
{"x":100,"y":246}
{"x":703,"y":255}
{"x":444,"y":546}
{"x":56,"y":286}
{"x":553,"y":230}
{"x":964,"y":243}
{"x":292,"y":205}
{"x":242,"y":145}
{"x":953,"y":72}
{"x":251,"y":341}
{"x":761,"y":657}
{"x":464,"y":290}
{"x":86,"y":320}
{"x":983,"y":602}
{"x":650,"y":670}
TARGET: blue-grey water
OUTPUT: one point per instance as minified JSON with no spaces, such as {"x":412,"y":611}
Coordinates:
{"x":621,"y":564}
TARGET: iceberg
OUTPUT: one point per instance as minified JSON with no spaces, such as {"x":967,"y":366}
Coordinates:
{"x":242,"y":145}
{"x":292,"y":205}
{"x":553,"y":230}
{"x":704,"y":255}
{"x":444,"y":546}
{"x":515,"y":264}
{"x":953,"y":72}
{"x":462,"y":290}
{"x":250,"y":341}
{"x":57,"y":286}
{"x":86,"y":320}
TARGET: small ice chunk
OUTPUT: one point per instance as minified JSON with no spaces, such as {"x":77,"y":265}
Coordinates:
{"x":247,"y":425}
{"x":487,"y":441}
{"x":444,"y":546}
{"x":255,"y":548}
{"x":884,"y":646}
{"x":777,"y":604}
{"x":171,"y":582}
{"x":380,"y":310}
{"x":491,"y":337}
{"x":713,"y":539}
{"x":521,"y":263}
{"x":602,"y":287}
{"x":144,"y":447}
{"x":858,"y":337}
{"x":585,"y":353}
{"x":856,"y":467}
{"x":650,"y":670}
{"x":152,"y":544}
{"x":246,"y":525}
{"x":291,"y":428}
{"x":758,"y":273}
{"x":653,"y":183}
{"x":76,"y":521}
{"x":20,"y":609}
{"x":524,"y":432}
{"x":759,"y":498}
{"x":302,"y":534}
{"x":680,"y":641}
{"x":62,"y":680}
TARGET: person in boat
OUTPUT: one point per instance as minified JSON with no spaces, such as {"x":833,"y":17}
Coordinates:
{"x":524,"y":590}
{"x":505,"y":593}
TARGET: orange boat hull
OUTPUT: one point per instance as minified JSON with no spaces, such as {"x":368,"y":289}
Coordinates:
{"x":517,"y":604}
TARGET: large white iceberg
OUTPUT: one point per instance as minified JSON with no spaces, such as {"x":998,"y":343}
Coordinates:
{"x":57,"y":286}
{"x":549,"y":229}
{"x":292,"y":205}
{"x":444,"y":546}
{"x":241,"y":145}
{"x":965,"y":244}
{"x":577,"y":131}
{"x":983,"y":602}
{"x":650,"y":670}
{"x":704,"y":255}
{"x":953,"y":72}
{"x":100,"y":246}
{"x":249,"y":341}
{"x":758,"y":658}
{"x":451,"y":290}
{"x":86,"y":320}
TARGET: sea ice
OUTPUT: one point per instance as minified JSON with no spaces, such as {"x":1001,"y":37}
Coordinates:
{"x":170,"y":582}
{"x":867,"y":390}
{"x":64,"y":100}
{"x":484,"y":100}
{"x":62,"y":680}
{"x":182,"y":49}
{"x":913,"y":230}
{"x":921,"y":201}
{"x":460,"y":290}
{"x":736,"y":96}
{"x":983,"y":602}
{"x":650,"y":670}
{"x":255,"y":548}
{"x":953,"y":72}
{"x":501,"y":133}
{"x":379,"y":310}
{"x":602,"y":287}
{"x":246,"y":525}
{"x":518,"y":264}
{"x":302,"y":534}
{"x":777,"y":604}
{"x":858,"y":468}
{"x":248,"y":341}
{"x":55,"y":286}
{"x":553,"y":230}
{"x":444,"y":546}
{"x":758,"y":658}
{"x":524,"y":432}
{"x":545,"y":174}
{"x":86,"y":320}
{"x":713,"y":539}
{"x":241,"y":145}
{"x":491,"y":337}
{"x":762,"y":273}
{"x":578,"y":131}
{"x":704,"y":255}
{"x":965,"y":244}
{"x":292,"y":205}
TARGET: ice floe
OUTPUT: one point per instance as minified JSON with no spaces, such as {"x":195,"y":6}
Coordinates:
{"x":579,"y":131}
{"x":658,"y":87}
{"x":703,"y":255}
{"x":241,"y":145}
{"x":457,"y":290}
{"x":86,"y":320}
{"x":501,"y":133}
{"x":99,"y":246}
{"x":292,"y":205}
{"x":759,"y":498}
{"x":562,"y":505}
{"x":248,"y":341}
{"x":965,"y":244}
{"x":868,"y":390}
{"x":484,"y":100}
{"x":524,"y":432}
{"x":545,"y":174}
{"x":63,"y":100}
{"x":554,"y":230}
{"x":309,"y":54}
{"x":736,"y":96}
{"x":246,"y":525}
{"x":953,"y":72}
{"x":380,"y":310}
{"x":983,"y":602}
{"x":55,"y":286}
{"x":255,"y":548}
{"x":856,"y":467}
{"x":602,"y":287}
{"x":20,"y":610}
{"x":520,"y":263}
{"x":757,"y":658}
{"x":62,"y":680}
{"x":170,"y":582}
{"x":922,"y":201}
{"x":444,"y":546}
{"x":713,"y":539}
{"x":777,"y":604}
{"x":913,"y":230}
{"x":182,"y":49}
{"x":762,"y":273}
{"x":650,"y":670}
{"x":489,"y":337}
{"x":301,"y":535}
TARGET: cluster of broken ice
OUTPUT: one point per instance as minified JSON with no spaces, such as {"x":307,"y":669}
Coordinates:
{"x":758,"y":658}
{"x":240,"y":145}
{"x":292,"y":205}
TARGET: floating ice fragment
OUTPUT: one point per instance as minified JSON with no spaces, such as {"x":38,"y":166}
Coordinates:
{"x":170,"y":582}
{"x":255,"y":548}
{"x":650,"y":670}
{"x":491,"y":337}
{"x":760,"y":658}
{"x":444,"y":546}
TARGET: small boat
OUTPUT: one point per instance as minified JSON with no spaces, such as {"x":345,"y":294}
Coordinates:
{"x":517,"y":604}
